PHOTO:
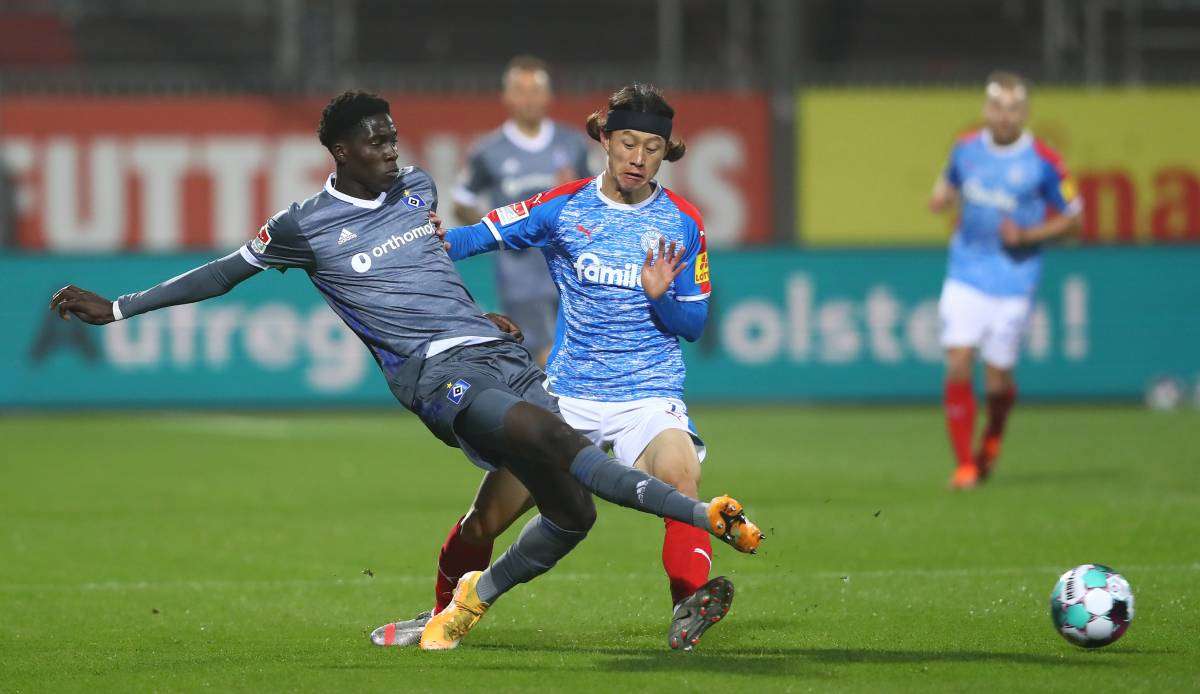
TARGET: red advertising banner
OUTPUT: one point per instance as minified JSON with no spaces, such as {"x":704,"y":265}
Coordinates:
{"x":166,"y":174}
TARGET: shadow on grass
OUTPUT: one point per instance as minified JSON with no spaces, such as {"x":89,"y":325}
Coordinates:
{"x":785,"y":661}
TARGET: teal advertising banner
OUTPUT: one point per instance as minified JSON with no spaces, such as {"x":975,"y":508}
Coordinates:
{"x":786,"y":325}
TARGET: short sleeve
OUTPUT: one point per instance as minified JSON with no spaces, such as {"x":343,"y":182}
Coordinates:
{"x":1058,"y":187}
{"x":279,"y":244}
{"x":952,"y":172}
{"x":695,"y":282}
{"x":473,"y":180}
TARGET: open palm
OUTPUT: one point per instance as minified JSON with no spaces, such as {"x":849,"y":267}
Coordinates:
{"x":658,"y":274}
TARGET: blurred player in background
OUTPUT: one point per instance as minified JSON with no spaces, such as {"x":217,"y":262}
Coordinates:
{"x":1014,"y":195}
{"x":527,"y":154}
{"x":629,"y":260}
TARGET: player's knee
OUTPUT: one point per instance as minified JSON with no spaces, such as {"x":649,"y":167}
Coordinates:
{"x":583,"y":516}
{"x":576,"y":513}
{"x":958,"y":367}
{"x":479,"y":528}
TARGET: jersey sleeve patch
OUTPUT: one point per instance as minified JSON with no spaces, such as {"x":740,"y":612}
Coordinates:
{"x":279,"y":244}
{"x":702,"y":268}
{"x":261,"y":240}
{"x":510,"y":214}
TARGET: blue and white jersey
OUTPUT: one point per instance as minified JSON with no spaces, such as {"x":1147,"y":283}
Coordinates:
{"x":1024,"y":181}
{"x":610,"y":345}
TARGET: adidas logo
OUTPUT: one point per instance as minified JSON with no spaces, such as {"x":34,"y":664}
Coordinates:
{"x":640,"y":490}
{"x":346,"y":236}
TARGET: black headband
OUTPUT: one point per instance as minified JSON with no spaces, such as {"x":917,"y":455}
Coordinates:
{"x":636,"y":120}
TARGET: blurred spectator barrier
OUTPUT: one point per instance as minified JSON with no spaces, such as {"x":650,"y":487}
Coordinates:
{"x":787,"y":326}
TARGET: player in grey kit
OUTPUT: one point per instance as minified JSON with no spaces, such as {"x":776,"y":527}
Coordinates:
{"x":368,"y":245}
{"x":527,"y":154}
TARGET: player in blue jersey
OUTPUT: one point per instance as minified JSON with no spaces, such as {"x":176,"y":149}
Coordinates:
{"x":629,"y":261}
{"x":367,"y":244}
{"x":529,"y":153}
{"x":1014,"y":195}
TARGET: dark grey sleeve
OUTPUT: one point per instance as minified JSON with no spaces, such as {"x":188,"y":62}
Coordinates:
{"x":208,"y":280}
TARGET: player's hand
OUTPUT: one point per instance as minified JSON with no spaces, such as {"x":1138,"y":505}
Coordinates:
{"x":658,"y":274}
{"x":1011,"y":235}
{"x":506,"y":324}
{"x":88,"y":307}
{"x":436,"y":221}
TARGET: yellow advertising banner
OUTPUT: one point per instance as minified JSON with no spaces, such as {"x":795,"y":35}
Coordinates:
{"x":868,"y":159}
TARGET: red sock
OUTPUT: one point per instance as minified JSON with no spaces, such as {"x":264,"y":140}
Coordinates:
{"x":687,"y":557}
{"x":457,"y":558}
{"x":998,"y":406}
{"x":959,"y":404}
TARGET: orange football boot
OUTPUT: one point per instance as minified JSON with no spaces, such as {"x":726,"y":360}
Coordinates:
{"x":726,"y":521}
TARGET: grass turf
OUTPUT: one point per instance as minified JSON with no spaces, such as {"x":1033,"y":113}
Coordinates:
{"x":256,"y":552}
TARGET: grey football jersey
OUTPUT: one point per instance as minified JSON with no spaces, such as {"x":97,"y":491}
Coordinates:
{"x":506,"y":167}
{"x":379,"y":265}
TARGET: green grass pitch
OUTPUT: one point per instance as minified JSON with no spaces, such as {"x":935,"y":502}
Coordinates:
{"x":222,"y":552}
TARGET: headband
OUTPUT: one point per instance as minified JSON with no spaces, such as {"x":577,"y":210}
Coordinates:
{"x":636,"y":120}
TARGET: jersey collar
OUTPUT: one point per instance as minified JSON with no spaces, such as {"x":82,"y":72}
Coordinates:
{"x":620,"y":205}
{"x":1018,"y":145}
{"x":357,"y":202}
{"x":530,"y":144}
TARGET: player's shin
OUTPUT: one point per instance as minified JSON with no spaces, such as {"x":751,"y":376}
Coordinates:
{"x":999,"y":404}
{"x":687,"y":558}
{"x":539,"y":547}
{"x":456,"y":558}
{"x":959,"y":403}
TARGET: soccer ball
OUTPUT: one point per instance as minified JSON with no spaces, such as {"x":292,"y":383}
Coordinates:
{"x":1091,"y":605}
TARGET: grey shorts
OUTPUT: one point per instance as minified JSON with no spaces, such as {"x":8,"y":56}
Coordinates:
{"x":536,"y":318}
{"x":450,"y":382}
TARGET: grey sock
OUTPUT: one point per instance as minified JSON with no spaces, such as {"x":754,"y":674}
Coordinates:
{"x":538,"y":548}
{"x":632,"y":488}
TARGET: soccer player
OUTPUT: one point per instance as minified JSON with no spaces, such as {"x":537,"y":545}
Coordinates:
{"x":630,"y":264}
{"x":367,"y":244}
{"x":1014,"y":196}
{"x":527,"y":154}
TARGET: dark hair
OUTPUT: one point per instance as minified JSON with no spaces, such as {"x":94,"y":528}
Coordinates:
{"x":641,"y":98}
{"x":525,"y":63}
{"x":345,"y":112}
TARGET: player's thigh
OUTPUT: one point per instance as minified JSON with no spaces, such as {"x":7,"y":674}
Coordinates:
{"x":1006,"y":329}
{"x":965,"y":313}
{"x":671,"y":457}
{"x":499,"y":502}
{"x":655,"y":434}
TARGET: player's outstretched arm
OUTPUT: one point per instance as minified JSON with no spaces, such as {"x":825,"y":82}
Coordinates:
{"x":209,"y":280}
{"x":464,"y":242}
